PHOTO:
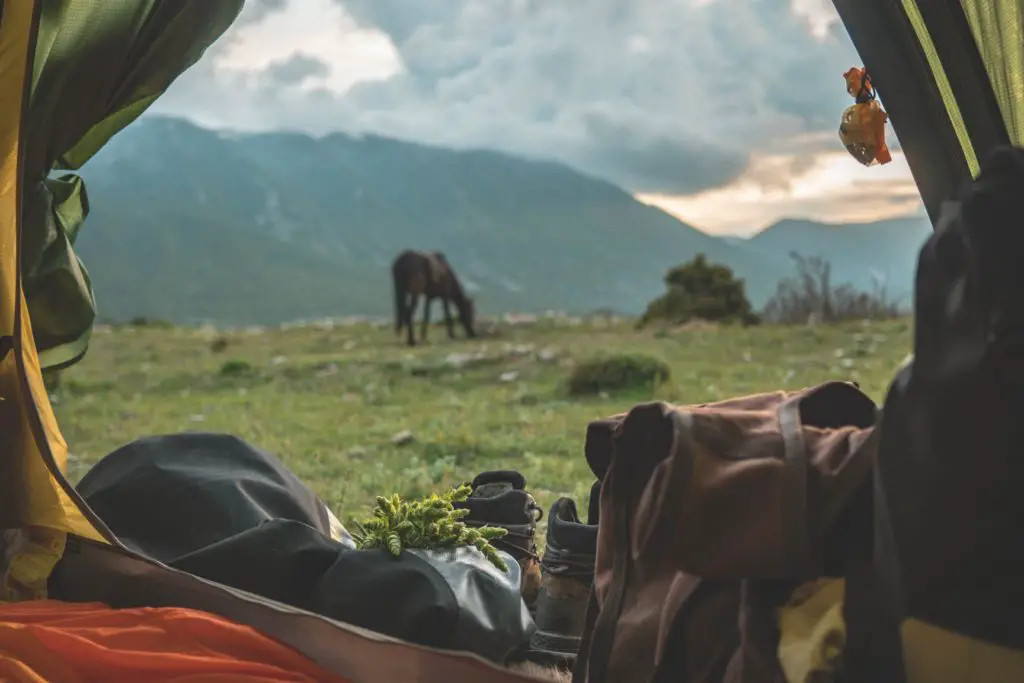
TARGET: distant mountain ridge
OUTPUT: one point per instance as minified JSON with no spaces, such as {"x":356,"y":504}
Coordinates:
{"x":192,"y":225}
{"x":883,"y":252}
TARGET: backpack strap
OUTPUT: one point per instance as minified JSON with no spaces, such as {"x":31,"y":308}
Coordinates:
{"x":600,"y":635}
{"x":797,"y":532}
{"x":579,"y":671}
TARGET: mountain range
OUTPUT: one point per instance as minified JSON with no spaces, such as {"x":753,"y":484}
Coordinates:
{"x":191,"y":225}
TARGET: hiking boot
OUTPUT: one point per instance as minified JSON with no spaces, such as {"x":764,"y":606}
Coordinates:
{"x":568,"y":574}
{"x":499,"y":498}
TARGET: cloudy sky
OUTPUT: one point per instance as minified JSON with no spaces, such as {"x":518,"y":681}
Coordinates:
{"x":723,"y":112}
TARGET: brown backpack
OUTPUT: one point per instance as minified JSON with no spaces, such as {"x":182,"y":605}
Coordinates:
{"x":711,"y":516}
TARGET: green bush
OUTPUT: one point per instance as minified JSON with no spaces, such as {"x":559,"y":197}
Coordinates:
{"x":622,"y":372}
{"x":699,"y":290}
{"x":235,"y":368}
{"x":143,"y":321}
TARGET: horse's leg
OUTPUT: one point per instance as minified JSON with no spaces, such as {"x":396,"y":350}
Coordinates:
{"x":409,"y":301}
{"x":426,"y":317}
{"x":410,"y":326}
{"x":401,"y":306}
{"x":448,"y":319}
{"x":401,"y":298}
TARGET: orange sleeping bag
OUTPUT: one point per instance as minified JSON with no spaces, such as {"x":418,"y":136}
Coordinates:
{"x":46,"y":641}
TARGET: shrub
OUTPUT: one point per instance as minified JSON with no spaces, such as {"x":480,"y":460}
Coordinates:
{"x":701,"y":290}
{"x":143,"y":321}
{"x":235,"y":368}
{"x":621,"y":372}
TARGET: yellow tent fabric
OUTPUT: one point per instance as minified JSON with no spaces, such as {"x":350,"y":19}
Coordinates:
{"x":31,"y":494}
{"x":37,"y":511}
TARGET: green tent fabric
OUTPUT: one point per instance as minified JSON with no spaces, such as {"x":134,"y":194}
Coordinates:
{"x":99,"y":64}
{"x":951,"y":75}
{"x":998,"y":29}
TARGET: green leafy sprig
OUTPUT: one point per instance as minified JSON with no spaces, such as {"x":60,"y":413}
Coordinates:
{"x":429,"y":523}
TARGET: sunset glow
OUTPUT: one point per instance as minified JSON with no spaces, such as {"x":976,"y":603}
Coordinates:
{"x":829,"y":187}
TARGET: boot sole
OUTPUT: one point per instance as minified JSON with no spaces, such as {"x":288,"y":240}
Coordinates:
{"x":555,"y":645}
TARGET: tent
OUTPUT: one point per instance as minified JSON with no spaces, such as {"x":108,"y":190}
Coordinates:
{"x":74,"y":72}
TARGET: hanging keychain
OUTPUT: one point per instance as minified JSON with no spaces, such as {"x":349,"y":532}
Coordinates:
{"x":862,"y":129}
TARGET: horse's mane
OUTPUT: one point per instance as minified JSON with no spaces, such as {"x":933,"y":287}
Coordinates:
{"x":457,"y":287}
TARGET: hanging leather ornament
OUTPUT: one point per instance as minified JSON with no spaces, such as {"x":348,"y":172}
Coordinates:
{"x":862,"y":128}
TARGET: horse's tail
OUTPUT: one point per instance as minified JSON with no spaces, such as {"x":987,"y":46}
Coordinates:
{"x":398,"y":283}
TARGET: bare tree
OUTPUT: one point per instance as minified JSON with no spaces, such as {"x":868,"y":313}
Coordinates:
{"x":810,"y":295}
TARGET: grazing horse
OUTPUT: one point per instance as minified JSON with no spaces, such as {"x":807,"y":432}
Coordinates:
{"x":417,"y":273}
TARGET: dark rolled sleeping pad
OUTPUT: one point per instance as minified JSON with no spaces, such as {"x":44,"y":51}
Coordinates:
{"x":216,"y":507}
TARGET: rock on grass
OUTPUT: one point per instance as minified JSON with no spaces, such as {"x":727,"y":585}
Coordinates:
{"x":403,"y":438}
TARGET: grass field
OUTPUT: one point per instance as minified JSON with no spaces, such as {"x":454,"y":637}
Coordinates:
{"x":330,"y":399}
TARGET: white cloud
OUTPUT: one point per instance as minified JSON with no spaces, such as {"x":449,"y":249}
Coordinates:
{"x":820,"y":16}
{"x":699,"y":99}
{"x":317,"y":29}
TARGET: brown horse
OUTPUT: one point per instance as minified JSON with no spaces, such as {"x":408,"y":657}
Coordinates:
{"x":417,"y":273}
